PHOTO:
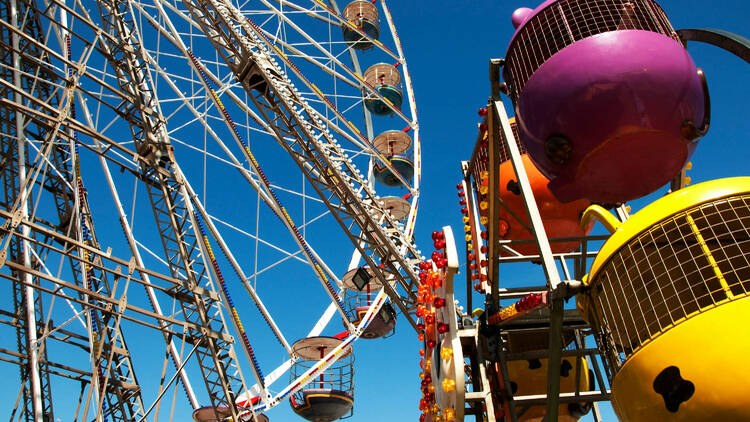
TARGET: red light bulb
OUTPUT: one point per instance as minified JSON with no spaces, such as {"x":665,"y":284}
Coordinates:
{"x":439,"y":302}
{"x":430,"y":343}
{"x":442,"y":328}
{"x":429,"y":319}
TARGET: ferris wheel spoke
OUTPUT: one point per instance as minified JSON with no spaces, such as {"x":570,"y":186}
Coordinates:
{"x":348,"y":134}
{"x":370,"y":89}
{"x":314,"y":262}
{"x":114,"y":73}
{"x":169,"y":204}
{"x":276,"y":101}
{"x":277,"y":208}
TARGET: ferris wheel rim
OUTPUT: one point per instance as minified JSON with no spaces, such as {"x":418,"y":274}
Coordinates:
{"x":120,"y":156}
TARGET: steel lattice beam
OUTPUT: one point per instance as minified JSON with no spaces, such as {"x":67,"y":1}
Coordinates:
{"x":305,"y":137}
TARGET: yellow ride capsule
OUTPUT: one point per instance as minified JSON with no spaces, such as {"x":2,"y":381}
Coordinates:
{"x":669,"y":291}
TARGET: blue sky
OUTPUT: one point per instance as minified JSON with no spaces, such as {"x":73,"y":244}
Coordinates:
{"x":447,"y":45}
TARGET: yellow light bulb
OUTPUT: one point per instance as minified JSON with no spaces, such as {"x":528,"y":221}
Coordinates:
{"x":446,"y":353}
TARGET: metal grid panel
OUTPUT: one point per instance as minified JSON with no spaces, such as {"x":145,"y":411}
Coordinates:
{"x":482,"y":156}
{"x":357,"y":10}
{"x":338,"y":376}
{"x":678,"y":268}
{"x":382,"y":74}
{"x":567,"y":21}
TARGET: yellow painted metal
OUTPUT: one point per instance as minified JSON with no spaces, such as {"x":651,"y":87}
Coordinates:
{"x":534,"y":381}
{"x":664,"y":207}
{"x":707,"y":252}
{"x":711,"y":351}
{"x":602,"y":215}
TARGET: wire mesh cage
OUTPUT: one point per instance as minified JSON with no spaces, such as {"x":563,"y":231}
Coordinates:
{"x":338,"y":376}
{"x":330,"y":395}
{"x":382,"y":74}
{"x":678,"y":268}
{"x":566,"y":21}
{"x":362,"y":15}
{"x":357,"y":10}
{"x":482,"y":154}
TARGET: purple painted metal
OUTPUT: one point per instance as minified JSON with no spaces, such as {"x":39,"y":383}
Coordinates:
{"x":617,"y":100}
{"x":523,"y":14}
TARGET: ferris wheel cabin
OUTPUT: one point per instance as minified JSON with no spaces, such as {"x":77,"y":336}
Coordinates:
{"x":331,"y":395}
{"x":362,"y":15}
{"x":361,"y":286}
{"x":604,"y":91}
{"x":670,"y":293}
{"x":393,"y":145}
{"x":392,"y":142}
{"x":402,"y":164}
{"x":222,"y":413}
{"x":396,"y":206}
{"x":386,"y":79}
{"x":561,"y":220}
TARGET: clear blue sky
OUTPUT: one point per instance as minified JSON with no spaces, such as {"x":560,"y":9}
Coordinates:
{"x":447,"y":45}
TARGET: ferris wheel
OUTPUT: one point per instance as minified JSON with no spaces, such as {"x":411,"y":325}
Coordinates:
{"x":184,"y":178}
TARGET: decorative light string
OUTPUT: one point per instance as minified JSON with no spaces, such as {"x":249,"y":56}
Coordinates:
{"x":232,"y":308}
{"x":86,"y":235}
